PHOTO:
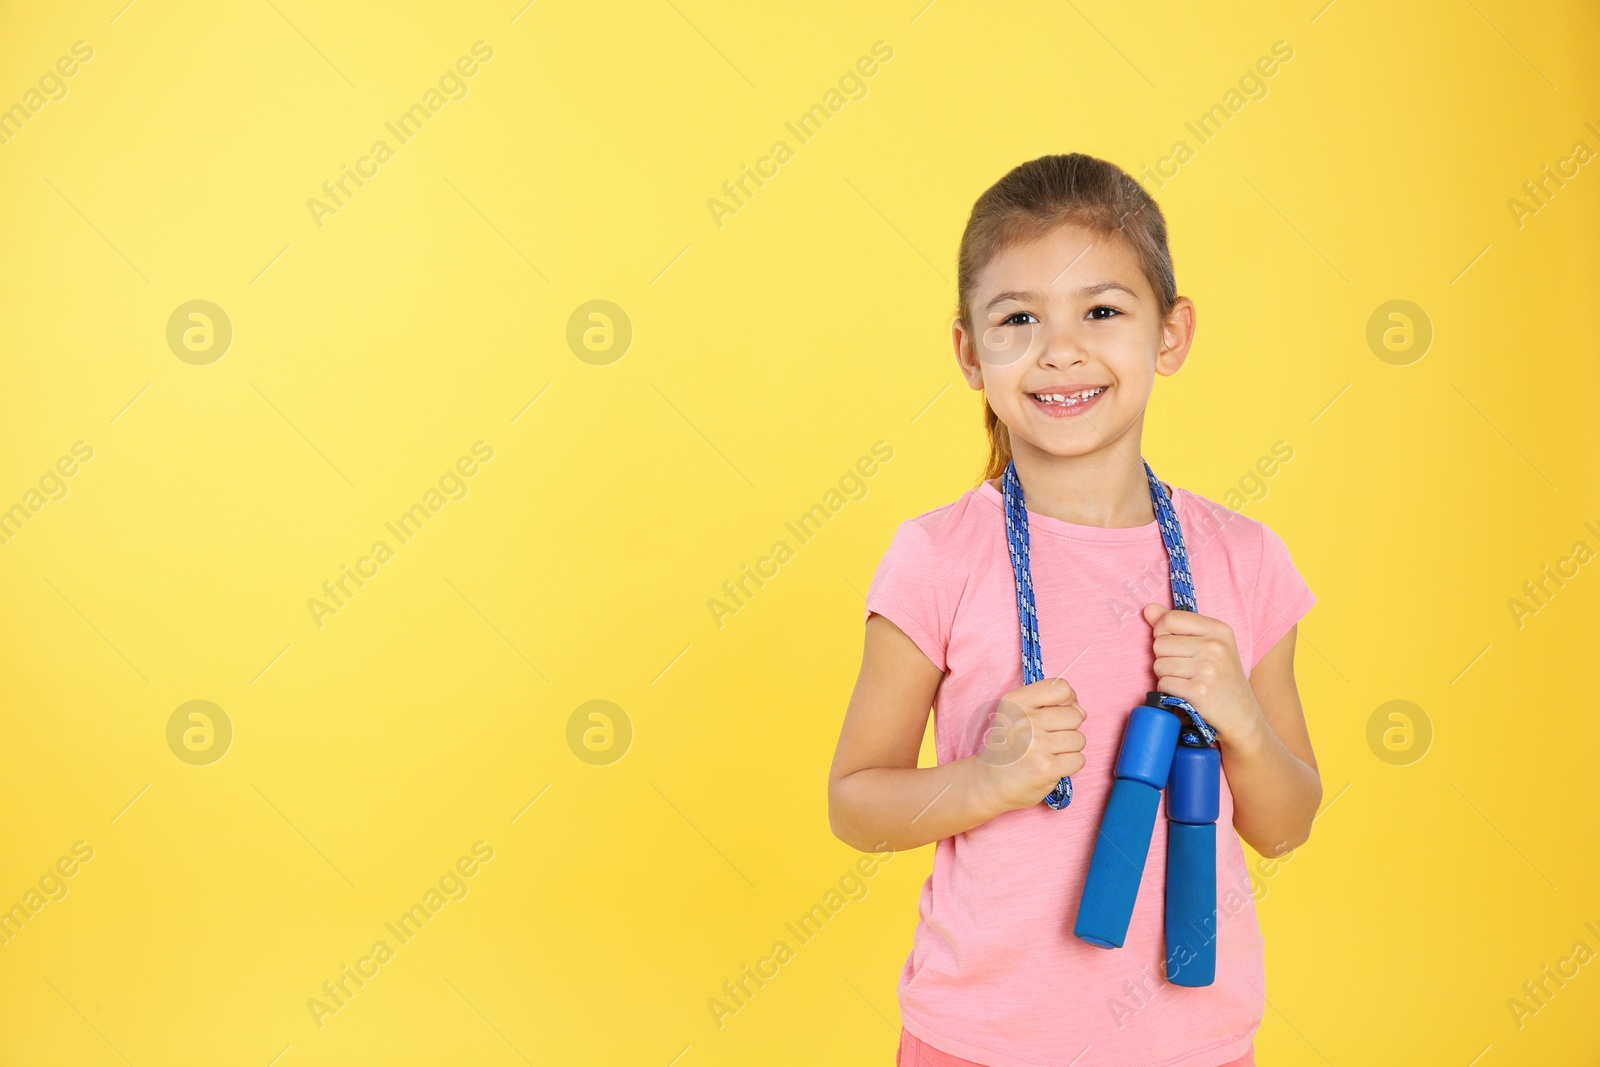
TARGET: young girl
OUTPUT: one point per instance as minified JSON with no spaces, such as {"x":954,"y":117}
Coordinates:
{"x":1067,"y":311}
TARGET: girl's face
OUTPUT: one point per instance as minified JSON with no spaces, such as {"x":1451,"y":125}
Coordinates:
{"x":1067,"y":341}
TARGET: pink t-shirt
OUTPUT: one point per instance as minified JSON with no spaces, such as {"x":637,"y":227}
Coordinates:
{"x":995,"y":974}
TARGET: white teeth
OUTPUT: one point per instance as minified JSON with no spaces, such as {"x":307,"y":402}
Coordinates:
{"x":1068,"y":398}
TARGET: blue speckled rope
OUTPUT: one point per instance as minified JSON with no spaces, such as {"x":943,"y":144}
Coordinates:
{"x":1201,"y":733}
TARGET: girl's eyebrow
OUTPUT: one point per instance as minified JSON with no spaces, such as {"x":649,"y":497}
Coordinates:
{"x":1087,"y":290}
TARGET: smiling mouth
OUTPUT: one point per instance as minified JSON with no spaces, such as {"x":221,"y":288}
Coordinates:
{"x":1068,"y":400}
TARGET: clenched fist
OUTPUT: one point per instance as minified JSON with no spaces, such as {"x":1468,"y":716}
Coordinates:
{"x":1032,"y":742}
{"x":1197,"y":658}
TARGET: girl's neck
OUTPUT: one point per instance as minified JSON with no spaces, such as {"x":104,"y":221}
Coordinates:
{"x":1106,"y":488}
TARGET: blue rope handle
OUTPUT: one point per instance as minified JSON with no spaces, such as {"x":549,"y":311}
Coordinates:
{"x":1016,"y":514}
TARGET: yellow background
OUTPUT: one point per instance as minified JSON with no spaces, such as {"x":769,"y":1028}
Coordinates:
{"x":768,"y":355}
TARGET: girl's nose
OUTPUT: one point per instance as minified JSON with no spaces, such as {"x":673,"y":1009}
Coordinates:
{"x":1059,"y":344}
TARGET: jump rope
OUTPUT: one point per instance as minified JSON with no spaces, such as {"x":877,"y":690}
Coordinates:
{"x":1159,"y":752}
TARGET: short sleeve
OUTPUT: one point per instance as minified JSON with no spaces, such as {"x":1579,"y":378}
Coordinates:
{"x":908,"y":590}
{"x":1279,"y":598}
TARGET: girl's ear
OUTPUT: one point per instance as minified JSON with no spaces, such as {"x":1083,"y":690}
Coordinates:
{"x":1177,"y":334}
{"x":966,"y":354}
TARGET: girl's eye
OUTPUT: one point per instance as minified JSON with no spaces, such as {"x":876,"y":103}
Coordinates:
{"x":1103,"y":307}
{"x":1010,"y":320}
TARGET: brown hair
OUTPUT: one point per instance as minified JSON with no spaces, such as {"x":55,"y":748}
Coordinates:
{"x":1033,"y":199}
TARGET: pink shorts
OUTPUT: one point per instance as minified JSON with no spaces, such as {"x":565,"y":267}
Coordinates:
{"x":914,"y":1052}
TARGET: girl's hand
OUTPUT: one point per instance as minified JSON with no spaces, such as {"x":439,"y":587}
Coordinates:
{"x":1032,"y":742}
{"x":1197,"y":659}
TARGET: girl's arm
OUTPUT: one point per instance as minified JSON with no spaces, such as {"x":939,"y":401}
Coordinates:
{"x":1266,"y":751}
{"x":1271,"y":769}
{"x":877,"y":795}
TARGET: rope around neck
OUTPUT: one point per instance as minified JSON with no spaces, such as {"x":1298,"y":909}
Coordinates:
{"x":1198,"y":733}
